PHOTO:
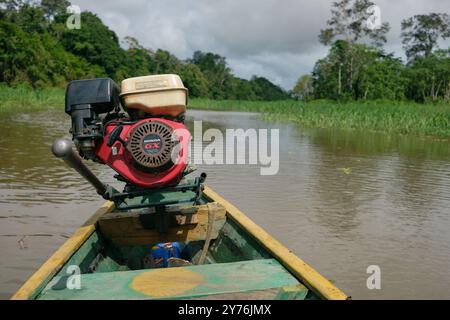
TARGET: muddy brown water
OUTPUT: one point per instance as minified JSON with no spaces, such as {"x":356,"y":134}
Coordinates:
{"x":342,"y":201}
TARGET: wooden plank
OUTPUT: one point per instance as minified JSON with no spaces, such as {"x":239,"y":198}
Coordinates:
{"x":126,"y":228}
{"x":296,"y":292}
{"x":305,"y":273}
{"x":183,"y":216}
{"x":177,"y":283}
{"x":31,"y":288}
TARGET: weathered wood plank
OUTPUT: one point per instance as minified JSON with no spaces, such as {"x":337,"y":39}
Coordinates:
{"x":127,"y":229}
{"x":297,"y":292}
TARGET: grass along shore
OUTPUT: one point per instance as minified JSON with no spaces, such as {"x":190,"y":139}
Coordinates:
{"x":26,"y":99}
{"x":387,"y":116}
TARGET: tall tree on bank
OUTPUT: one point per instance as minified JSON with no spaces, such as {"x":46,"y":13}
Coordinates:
{"x":428,"y":69}
{"x":349,"y":22}
{"x":349,"y":25}
{"x":376,"y":75}
{"x":216,"y":71}
{"x":429,"y":77}
{"x":54,"y":7}
{"x":303,"y":88}
{"x":421,"y":33}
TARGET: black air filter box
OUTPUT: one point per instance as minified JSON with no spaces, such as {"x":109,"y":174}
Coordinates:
{"x":99,"y":95}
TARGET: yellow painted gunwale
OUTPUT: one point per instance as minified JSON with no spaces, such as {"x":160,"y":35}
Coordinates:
{"x":309,"y":276}
{"x":61,"y":256}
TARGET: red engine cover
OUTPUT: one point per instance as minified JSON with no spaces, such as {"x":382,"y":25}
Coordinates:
{"x":122,"y":162}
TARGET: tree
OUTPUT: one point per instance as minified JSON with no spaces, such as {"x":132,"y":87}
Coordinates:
{"x":37,"y":48}
{"x":349,"y":22}
{"x":12,"y":5}
{"x":241,"y":89}
{"x":428,"y":77}
{"x":216,"y":71}
{"x":54,"y":7}
{"x":165,"y":62}
{"x":38,"y":59}
{"x":382,"y":78}
{"x":375,"y":75}
{"x":96,"y":43}
{"x":193,"y":79}
{"x":303,"y":89}
{"x":139,"y":61}
{"x":420,"y":34}
{"x":266,"y":90}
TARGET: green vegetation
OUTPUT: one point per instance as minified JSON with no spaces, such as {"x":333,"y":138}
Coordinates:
{"x":25,"y":98}
{"x":37,"y":48}
{"x":354,"y":70}
{"x":387,"y":116}
{"x":357,"y":85}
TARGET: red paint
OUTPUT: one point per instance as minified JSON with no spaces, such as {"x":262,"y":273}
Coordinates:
{"x":122,"y":162}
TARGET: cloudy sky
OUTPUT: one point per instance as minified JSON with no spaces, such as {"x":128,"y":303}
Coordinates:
{"x":270,"y":38}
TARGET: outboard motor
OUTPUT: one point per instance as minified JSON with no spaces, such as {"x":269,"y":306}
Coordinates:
{"x":146,"y":143}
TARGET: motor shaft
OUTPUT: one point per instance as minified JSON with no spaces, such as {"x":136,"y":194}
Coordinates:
{"x":62,"y":148}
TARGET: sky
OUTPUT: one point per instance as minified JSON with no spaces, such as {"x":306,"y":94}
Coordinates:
{"x":276,"y":39}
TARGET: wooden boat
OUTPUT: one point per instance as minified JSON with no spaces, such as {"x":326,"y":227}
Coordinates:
{"x":241,"y":260}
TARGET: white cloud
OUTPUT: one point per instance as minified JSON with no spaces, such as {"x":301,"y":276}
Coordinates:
{"x":270,"y":38}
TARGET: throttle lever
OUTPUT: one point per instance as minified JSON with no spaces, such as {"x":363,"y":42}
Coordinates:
{"x":115,"y":136}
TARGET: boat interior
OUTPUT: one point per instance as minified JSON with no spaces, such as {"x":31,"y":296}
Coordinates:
{"x":216,"y":260}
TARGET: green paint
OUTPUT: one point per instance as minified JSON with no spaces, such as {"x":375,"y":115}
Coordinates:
{"x":81,"y":258}
{"x":84,"y":256}
{"x":160,"y":197}
{"x":236,"y":266}
{"x":233,"y":244}
{"x":217,"y":279}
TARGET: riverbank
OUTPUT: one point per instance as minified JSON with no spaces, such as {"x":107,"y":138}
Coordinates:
{"x":385,"y":116}
{"x":25,"y":99}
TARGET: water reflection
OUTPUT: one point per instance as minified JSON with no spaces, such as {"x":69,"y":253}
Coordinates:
{"x":342,"y":200}
{"x":29,"y":174}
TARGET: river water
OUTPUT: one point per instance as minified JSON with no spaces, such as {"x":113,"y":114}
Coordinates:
{"x":342,"y":201}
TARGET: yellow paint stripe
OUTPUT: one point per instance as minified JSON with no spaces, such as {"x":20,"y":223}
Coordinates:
{"x":310,"y":277}
{"x":107,"y":207}
{"x":60,"y":257}
{"x":166,"y":283}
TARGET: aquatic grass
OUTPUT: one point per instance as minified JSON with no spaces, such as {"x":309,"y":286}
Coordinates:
{"x":24,"y":98}
{"x":387,"y":116}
